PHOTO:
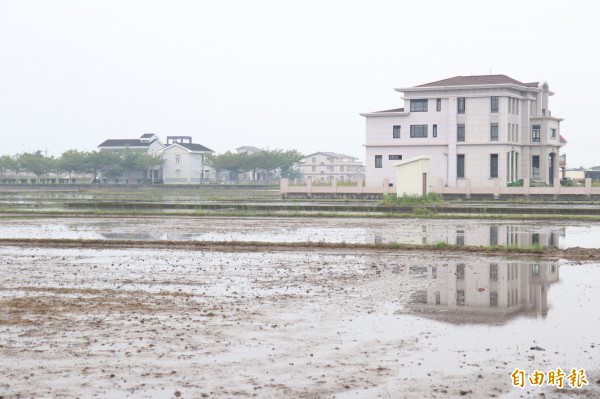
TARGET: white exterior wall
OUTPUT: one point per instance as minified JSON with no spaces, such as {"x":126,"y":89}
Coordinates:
{"x":189,"y":168}
{"x":409,"y":176}
{"x":514,"y":136}
{"x":321,"y":167}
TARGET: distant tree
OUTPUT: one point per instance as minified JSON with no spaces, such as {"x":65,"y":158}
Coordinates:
{"x":147,"y":162}
{"x":289,"y":163}
{"x":37,"y":163}
{"x":6,"y":163}
{"x":72,"y":161}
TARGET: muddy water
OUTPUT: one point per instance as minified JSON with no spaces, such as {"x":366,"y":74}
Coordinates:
{"x":408,"y":231}
{"x":143,"y":323}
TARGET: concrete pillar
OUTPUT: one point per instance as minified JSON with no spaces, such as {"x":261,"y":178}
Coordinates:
{"x":386,"y":186}
{"x":588,"y":186}
{"x":334,"y":185}
{"x":526,"y":186}
{"x":497,"y":184}
{"x":468,"y":187}
{"x":309,"y":186}
{"x":284,"y":185}
{"x":359,"y":186}
{"x":556,"y":187}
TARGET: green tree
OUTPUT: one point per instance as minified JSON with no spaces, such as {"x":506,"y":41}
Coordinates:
{"x":72,"y":161}
{"x":289,"y":163}
{"x":36,"y":163}
{"x":6,"y":163}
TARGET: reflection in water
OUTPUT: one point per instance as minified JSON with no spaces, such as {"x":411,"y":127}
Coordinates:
{"x":485,"y":293}
{"x":472,"y":235}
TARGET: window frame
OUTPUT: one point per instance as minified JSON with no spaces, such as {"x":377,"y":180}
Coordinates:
{"x":378,"y":161}
{"x":536,"y":133}
{"x":460,"y":166}
{"x":423,"y":131}
{"x":419,"y":105}
{"x":460,"y":128}
{"x":494,"y":104}
{"x":438,"y":105}
{"x":461,"y":105}
{"x":396,"y":131}
{"x":434,"y":130}
{"x":394,"y":157}
{"x":494,"y":163}
{"x":494,"y":129}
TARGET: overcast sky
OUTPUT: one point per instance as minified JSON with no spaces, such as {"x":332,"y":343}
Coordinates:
{"x":274,"y":74}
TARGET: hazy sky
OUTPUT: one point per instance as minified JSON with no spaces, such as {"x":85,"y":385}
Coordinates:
{"x":274,"y":74}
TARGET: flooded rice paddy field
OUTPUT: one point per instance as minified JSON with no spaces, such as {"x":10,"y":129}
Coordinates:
{"x":563,"y":235}
{"x":322,"y":324}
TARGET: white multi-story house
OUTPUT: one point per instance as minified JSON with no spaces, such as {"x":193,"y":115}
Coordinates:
{"x":326,"y":166}
{"x":184,"y":162}
{"x":481,"y":128}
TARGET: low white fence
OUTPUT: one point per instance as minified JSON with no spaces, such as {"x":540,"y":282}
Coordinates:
{"x":498,"y":189}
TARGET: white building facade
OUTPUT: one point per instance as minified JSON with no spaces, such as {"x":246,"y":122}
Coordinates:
{"x":184,"y":162}
{"x":481,"y":128}
{"x":326,"y":166}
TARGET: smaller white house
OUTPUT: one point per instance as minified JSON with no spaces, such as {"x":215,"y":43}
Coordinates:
{"x":412,"y":176}
{"x":184,"y":162}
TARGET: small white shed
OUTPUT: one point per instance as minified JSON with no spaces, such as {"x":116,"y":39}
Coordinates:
{"x":412,"y":176}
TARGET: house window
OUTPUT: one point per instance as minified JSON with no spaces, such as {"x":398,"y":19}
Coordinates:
{"x":396,"y":132}
{"x":553,"y":133}
{"x":330,"y":168}
{"x":395,"y":157}
{"x":437,"y":298}
{"x":177,"y":173}
{"x":493,"y":272}
{"x":460,"y":297}
{"x":493,"y":299}
{"x":494,"y":132}
{"x":434,"y":130}
{"x":460,"y":271}
{"x":314,"y":160}
{"x":494,"y":166}
{"x":494,"y":105}
{"x":460,"y":132}
{"x":418,"y":131}
{"x":378,"y":161}
{"x":535,"y":166}
{"x":438,"y":104}
{"x":177,"y":158}
{"x":433,"y":271}
{"x":493,"y":235}
{"x":461,"y":105}
{"x":341,"y":168}
{"x":314,"y":168}
{"x":460,"y":166}
{"x":418,"y":105}
{"x":535,"y":133}
{"x":460,"y":237}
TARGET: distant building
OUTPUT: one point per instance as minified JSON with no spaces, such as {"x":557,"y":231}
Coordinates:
{"x":184,"y":162}
{"x":481,"y":128}
{"x":148,"y":143}
{"x":326,"y":166}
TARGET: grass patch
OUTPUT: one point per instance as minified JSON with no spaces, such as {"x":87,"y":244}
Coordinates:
{"x":394,"y":200}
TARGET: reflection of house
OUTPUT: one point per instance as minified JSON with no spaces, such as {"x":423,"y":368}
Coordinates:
{"x":325,"y":166}
{"x":471,"y":235}
{"x":148,"y":143}
{"x":184,"y":161}
{"x":473,"y":292}
{"x":481,"y":128}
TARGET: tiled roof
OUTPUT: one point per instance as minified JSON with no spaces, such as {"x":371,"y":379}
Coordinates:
{"x":126,"y":143}
{"x":562,"y":139}
{"x":331,"y":154}
{"x":476,"y":80}
{"x":147,"y":135}
{"x":391,"y":110}
{"x":192,"y":147}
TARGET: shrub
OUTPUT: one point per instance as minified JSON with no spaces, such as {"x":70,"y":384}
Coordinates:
{"x":430,"y":198}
